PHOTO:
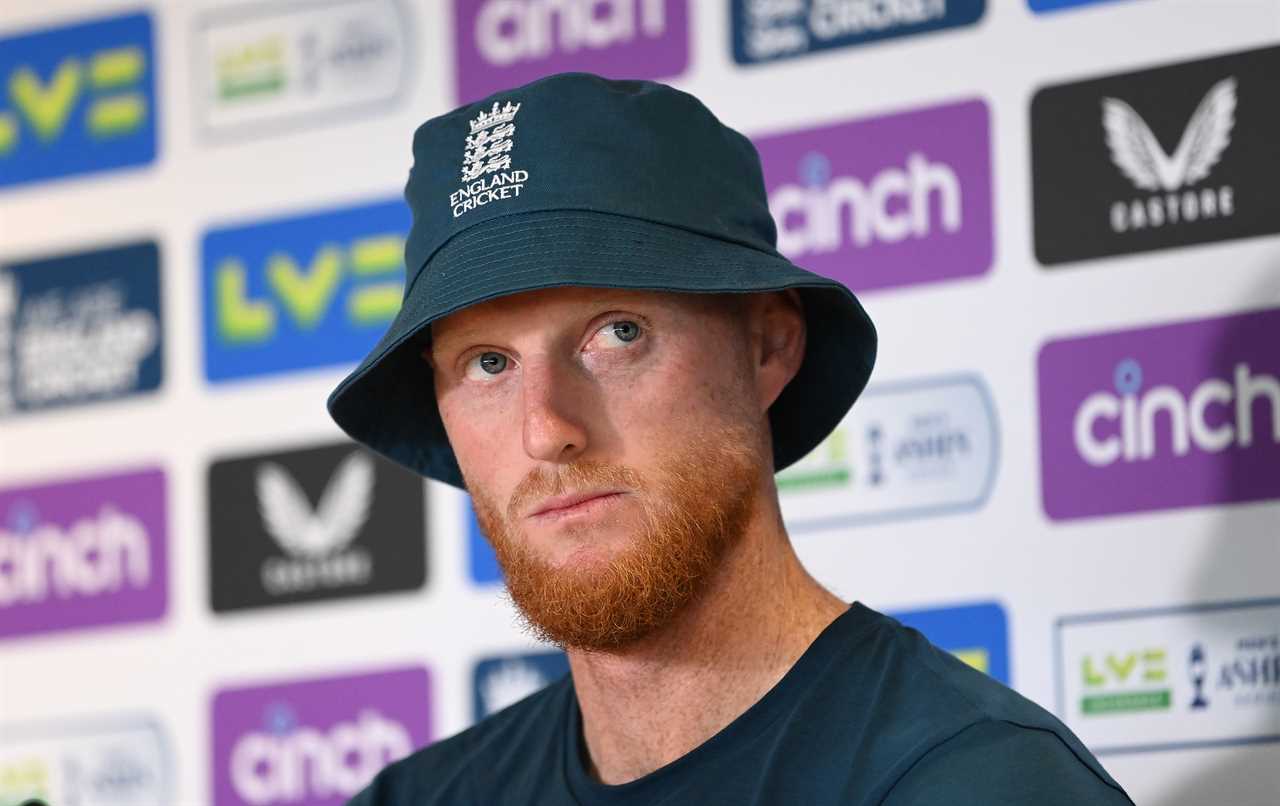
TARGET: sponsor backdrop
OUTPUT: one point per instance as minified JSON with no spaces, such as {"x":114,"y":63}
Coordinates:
{"x":1066,"y":469}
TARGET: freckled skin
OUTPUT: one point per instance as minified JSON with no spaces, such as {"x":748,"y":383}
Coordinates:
{"x":569,"y":392}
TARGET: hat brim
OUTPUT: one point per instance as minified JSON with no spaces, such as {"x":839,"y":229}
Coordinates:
{"x":388,"y":402}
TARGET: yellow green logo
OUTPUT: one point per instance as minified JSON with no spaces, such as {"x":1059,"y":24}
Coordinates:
{"x":77,"y":99}
{"x":1125,"y":682}
{"x":828,"y":465}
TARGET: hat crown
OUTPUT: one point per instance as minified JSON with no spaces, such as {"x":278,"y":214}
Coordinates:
{"x":576,"y":180}
{"x":576,"y":141}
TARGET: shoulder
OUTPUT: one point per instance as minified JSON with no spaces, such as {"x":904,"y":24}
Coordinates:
{"x":951,"y":720}
{"x":999,"y":763}
{"x":462,"y":768}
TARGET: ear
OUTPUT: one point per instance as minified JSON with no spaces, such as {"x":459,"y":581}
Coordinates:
{"x":778,"y":325}
{"x":424,"y":344}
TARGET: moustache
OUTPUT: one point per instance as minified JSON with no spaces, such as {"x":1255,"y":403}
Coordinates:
{"x":540,"y":483}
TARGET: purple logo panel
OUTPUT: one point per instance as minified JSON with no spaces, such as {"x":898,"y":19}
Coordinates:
{"x":505,"y":43}
{"x":888,"y":201}
{"x":315,"y":742}
{"x":1178,"y":415}
{"x":83,"y":553}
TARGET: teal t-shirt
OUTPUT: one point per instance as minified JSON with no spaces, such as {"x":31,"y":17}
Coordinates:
{"x":871,"y":713}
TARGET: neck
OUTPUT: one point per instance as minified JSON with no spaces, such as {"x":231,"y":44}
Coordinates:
{"x":651,"y":702}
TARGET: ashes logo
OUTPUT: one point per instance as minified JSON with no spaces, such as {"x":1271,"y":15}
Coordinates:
{"x":488,"y":152}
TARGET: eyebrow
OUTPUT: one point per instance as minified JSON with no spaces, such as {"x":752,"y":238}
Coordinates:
{"x":431,"y":343}
{"x":472,"y":333}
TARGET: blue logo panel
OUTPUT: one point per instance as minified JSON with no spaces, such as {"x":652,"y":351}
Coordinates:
{"x":978,"y":634}
{"x":298,"y":293}
{"x":503,"y":681}
{"x":80,"y":328}
{"x":1054,"y":5}
{"x":483,"y":562}
{"x":766,"y":30}
{"x":77,"y":99}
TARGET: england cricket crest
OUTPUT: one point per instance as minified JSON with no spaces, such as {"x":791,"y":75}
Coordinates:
{"x":486,"y":164}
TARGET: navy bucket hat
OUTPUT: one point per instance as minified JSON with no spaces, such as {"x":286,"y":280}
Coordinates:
{"x":576,"y":180}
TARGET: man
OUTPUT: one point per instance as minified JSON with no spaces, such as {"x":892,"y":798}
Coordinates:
{"x":600,"y":343}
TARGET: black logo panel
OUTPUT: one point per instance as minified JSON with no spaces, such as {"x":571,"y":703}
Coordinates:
{"x":313,"y":524}
{"x":1178,"y":155}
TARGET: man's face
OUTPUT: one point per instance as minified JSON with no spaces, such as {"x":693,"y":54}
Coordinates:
{"x":613,"y":443}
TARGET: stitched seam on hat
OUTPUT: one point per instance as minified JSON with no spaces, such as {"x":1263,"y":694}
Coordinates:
{"x":665,"y":245}
{"x":535,"y":266}
{"x":502,"y":217}
{"x":621,"y":222}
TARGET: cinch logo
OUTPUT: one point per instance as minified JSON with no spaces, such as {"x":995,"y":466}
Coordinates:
{"x":83,"y":553}
{"x":1117,"y":682}
{"x":977,"y":634}
{"x":81,"y":98}
{"x":764,"y":30}
{"x":504,"y":43}
{"x":823,"y":213}
{"x":92,"y":556}
{"x":1131,"y":417}
{"x":286,"y":763}
{"x":316,"y":742}
{"x":907,"y":450}
{"x":304,"y":292}
{"x":1174,"y":678}
{"x":318,"y":523}
{"x":889,"y":201}
{"x":1155,"y":159}
{"x":285,"y":65}
{"x":505,"y":680}
{"x":1188,"y":414}
{"x":80,"y":328}
{"x":99,"y":761}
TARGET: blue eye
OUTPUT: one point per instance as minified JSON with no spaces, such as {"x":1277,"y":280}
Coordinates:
{"x":486,"y":365}
{"x":493,"y":363}
{"x":625,"y":330}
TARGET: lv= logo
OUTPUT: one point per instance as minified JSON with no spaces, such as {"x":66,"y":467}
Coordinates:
{"x":1149,"y":664}
{"x":306,"y":293}
{"x":109,"y":81}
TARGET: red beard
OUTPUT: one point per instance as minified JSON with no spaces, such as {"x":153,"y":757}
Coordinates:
{"x":695,"y":509}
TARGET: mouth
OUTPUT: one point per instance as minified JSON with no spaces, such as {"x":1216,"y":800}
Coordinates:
{"x":565,"y":506}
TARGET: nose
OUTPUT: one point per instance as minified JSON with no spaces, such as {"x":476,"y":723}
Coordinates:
{"x":554,"y":430}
